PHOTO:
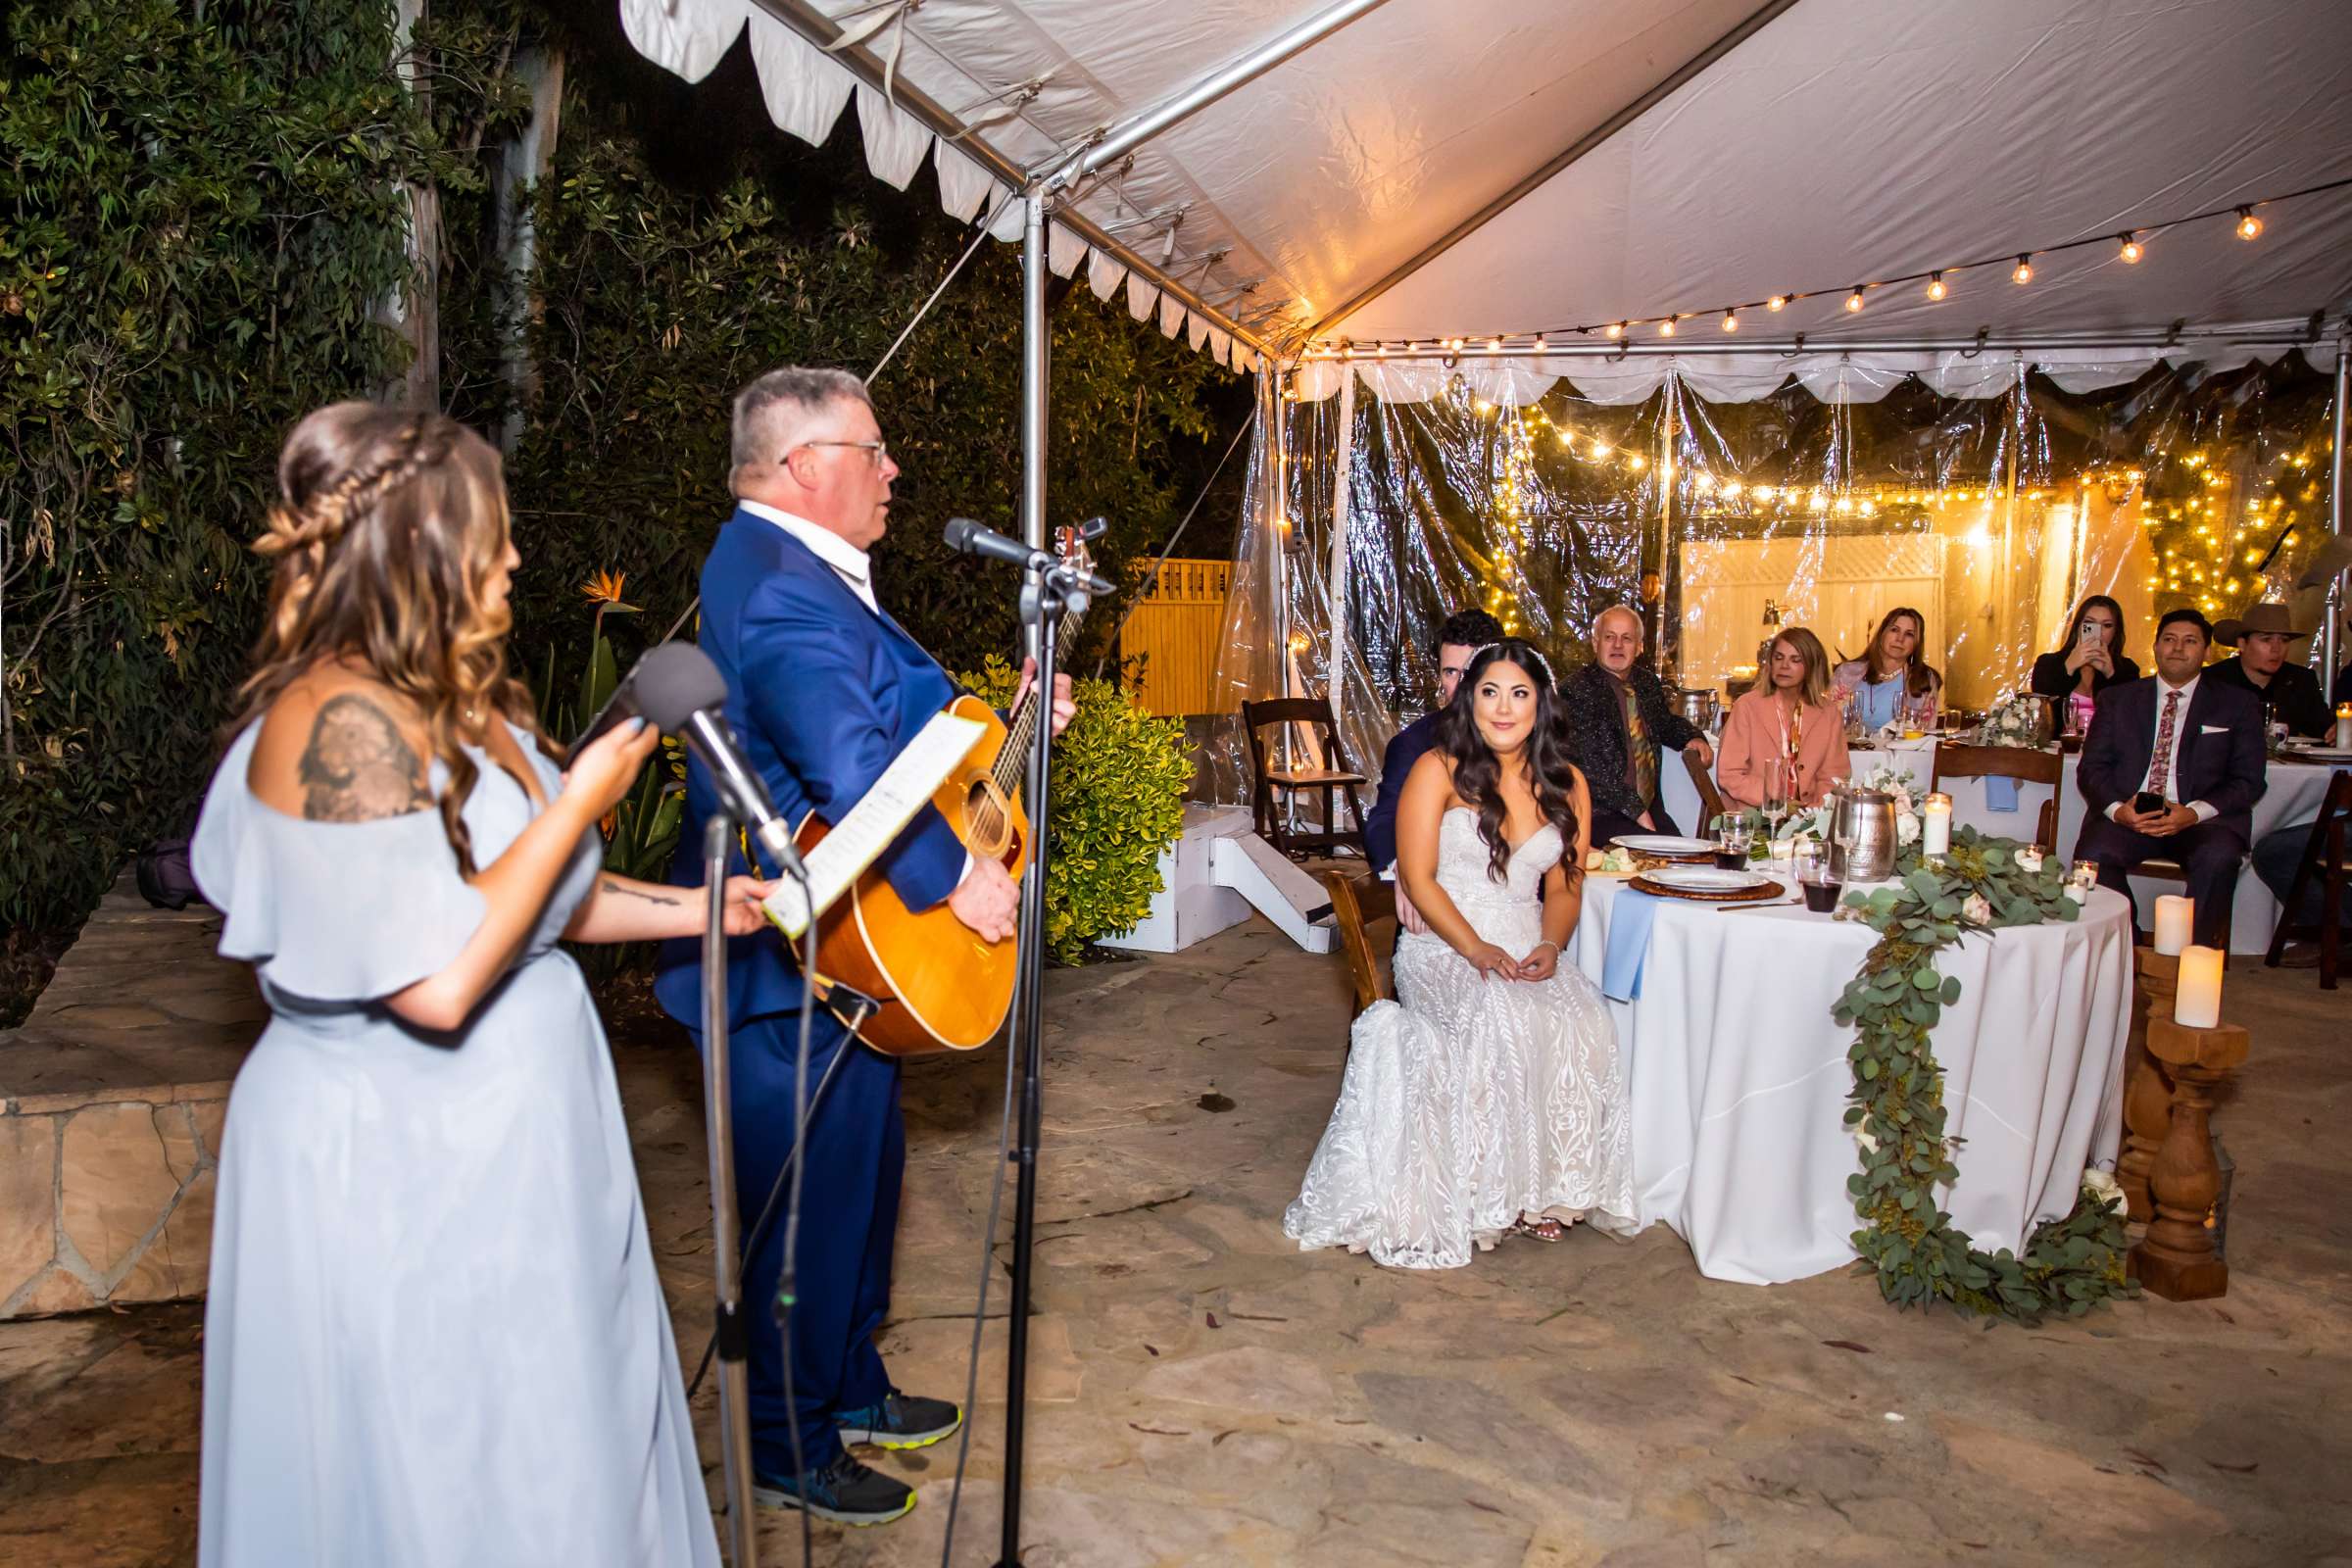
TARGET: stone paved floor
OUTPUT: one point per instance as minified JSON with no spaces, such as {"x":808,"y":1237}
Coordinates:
{"x":1203,"y":1394}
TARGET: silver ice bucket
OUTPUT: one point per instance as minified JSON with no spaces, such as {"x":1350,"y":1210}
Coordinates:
{"x":1862,"y":837}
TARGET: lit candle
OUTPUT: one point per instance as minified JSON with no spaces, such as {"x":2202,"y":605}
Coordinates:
{"x":2175,"y":916}
{"x":2343,"y":726}
{"x":2197,"y":1004}
{"x":1936,"y":825}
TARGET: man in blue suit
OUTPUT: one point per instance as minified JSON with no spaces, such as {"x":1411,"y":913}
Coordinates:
{"x":2194,"y":746}
{"x":824,"y":690}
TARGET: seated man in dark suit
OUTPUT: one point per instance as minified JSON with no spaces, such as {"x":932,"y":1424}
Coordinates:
{"x":2194,"y":743}
{"x":2291,"y":692}
{"x":1619,"y":724}
{"x":1463,"y":633}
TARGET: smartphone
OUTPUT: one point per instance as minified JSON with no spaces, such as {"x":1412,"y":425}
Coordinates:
{"x":2093,"y":634}
{"x":2147,"y":802}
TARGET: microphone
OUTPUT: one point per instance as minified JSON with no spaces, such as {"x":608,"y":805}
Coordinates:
{"x":966,"y":537}
{"x":678,"y":690}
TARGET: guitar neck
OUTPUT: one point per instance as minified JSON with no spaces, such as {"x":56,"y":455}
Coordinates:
{"x":1013,"y":758}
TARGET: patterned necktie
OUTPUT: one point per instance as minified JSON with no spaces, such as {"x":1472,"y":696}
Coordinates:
{"x":2161,"y":765}
{"x":1641,"y":753}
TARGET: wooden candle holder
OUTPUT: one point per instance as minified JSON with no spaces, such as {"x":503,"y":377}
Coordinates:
{"x":2147,"y":1093}
{"x":2176,"y":1259}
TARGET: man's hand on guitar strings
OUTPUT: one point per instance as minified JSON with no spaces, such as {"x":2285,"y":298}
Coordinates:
{"x":1065,"y":705}
{"x":988,"y":901}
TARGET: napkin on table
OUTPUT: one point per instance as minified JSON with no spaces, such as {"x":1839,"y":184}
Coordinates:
{"x":2000,"y":794}
{"x":1630,"y":920}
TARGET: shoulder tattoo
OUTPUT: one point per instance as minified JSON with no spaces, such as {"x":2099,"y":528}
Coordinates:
{"x":357,"y":766}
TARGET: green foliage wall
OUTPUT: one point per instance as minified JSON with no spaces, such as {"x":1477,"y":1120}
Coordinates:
{"x":203,"y":225}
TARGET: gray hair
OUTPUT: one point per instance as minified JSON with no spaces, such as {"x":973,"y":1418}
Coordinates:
{"x":774,"y":410}
{"x":1621,"y":607}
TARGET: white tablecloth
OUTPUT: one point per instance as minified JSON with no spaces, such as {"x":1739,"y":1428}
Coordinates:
{"x":2292,"y":800}
{"x":1739,"y":1076}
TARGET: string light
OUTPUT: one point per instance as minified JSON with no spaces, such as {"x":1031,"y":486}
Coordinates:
{"x":1730,"y":320}
{"x":2023,"y":271}
{"x":1666,"y":327}
{"x":2248,"y":225}
{"x":1616,"y":329}
{"x":1936,"y":289}
{"x":2131,"y":250}
{"x":1853,"y":301}
{"x":1776,"y":302}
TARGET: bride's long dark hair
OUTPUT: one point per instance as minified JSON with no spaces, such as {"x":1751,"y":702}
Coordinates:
{"x":1478,"y":772}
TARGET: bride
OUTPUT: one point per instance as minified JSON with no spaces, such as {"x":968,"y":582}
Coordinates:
{"x":1490,"y":1096}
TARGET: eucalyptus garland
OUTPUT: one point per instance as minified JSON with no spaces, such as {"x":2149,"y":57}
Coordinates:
{"x":1897,"y":1117}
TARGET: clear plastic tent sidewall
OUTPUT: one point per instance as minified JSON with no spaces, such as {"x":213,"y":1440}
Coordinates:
{"x":1722,"y":512}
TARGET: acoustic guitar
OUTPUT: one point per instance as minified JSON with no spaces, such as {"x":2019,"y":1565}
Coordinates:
{"x":942,"y":987}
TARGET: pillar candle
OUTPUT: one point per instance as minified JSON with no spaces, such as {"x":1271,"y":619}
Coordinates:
{"x":2343,"y":726}
{"x":2197,"y":1004}
{"x":1936,"y":825}
{"x":2175,"y":919}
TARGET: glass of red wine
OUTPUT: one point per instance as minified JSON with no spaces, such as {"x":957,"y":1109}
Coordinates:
{"x":1731,"y":842}
{"x":1813,"y":876}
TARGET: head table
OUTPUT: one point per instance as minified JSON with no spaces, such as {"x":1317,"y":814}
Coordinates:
{"x":2291,"y":799}
{"x":1739,"y":1075}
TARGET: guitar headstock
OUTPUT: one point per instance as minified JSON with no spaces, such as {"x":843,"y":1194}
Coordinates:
{"x":1070,"y":545}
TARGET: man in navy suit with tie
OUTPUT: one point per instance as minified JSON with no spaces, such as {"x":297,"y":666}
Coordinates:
{"x":824,"y":690}
{"x":2194,"y":744}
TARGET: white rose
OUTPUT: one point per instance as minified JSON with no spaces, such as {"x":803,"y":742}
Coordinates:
{"x":1907,"y":828}
{"x":2102,"y":1186}
{"x":2029,"y":860}
{"x":1975,"y":911}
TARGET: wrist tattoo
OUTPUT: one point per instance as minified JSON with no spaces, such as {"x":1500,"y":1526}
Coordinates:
{"x":357,"y":766}
{"x":612,"y":885}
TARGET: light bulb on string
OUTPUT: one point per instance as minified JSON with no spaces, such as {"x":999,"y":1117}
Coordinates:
{"x":1493,"y":345}
{"x":2022,"y":273}
{"x":1776,"y":302}
{"x":1936,"y":289}
{"x":1853,"y":301}
{"x":1666,"y":327}
{"x":2248,"y":225}
{"x":1730,"y":320}
{"x":1616,"y":329}
{"x":1538,"y":343}
{"x":2131,"y":250}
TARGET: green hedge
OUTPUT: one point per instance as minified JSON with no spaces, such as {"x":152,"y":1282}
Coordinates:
{"x":1118,"y":801}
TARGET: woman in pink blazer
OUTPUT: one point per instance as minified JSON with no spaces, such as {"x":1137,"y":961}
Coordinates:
{"x":1790,"y":711}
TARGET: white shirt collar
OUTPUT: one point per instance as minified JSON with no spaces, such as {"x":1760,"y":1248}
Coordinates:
{"x":2186,"y":691}
{"x":832,"y":549}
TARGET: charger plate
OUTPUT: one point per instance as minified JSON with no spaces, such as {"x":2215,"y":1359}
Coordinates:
{"x":1763,"y":889}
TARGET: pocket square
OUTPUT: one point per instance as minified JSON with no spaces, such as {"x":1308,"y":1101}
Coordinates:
{"x":2213,"y":729}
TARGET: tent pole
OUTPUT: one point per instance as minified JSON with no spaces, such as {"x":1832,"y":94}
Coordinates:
{"x":2332,"y":630}
{"x":1122,"y":139}
{"x":2017,"y":441}
{"x":1342,"y":462}
{"x":1670,"y":388}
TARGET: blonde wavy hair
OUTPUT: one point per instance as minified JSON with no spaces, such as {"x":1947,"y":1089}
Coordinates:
{"x":389,"y":528}
{"x":1814,"y":690}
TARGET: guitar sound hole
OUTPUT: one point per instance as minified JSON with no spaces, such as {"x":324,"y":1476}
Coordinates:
{"x":983,"y":816}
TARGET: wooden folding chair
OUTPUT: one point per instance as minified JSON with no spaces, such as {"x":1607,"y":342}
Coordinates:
{"x":1332,"y":778}
{"x":2323,"y":858}
{"x":2029,"y":766}
{"x":1710,"y":799}
{"x":1359,"y":901}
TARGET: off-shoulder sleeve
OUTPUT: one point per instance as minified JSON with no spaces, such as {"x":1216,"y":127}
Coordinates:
{"x":335,"y":911}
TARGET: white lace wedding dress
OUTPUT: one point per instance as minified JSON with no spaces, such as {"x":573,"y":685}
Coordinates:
{"x":1470,"y":1102}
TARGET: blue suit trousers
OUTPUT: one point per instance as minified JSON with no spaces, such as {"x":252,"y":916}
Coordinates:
{"x":857,"y":1160}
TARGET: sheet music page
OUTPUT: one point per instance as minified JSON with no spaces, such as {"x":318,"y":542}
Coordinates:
{"x":863,"y":835}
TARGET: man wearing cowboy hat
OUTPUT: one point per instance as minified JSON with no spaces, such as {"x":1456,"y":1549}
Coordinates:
{"x":2291,"y":692}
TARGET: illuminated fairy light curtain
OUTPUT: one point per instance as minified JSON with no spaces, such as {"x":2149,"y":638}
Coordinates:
{"x":1991,"y":509}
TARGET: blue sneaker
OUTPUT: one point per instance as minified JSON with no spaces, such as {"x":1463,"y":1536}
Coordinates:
{"x":844,"y":1491}
{"x":901,"y":1421}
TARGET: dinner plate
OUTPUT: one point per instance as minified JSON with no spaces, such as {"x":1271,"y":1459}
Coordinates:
{"x":1662,"y":844}
{"x":2317,"y":754}
{"x":1705,"y":879}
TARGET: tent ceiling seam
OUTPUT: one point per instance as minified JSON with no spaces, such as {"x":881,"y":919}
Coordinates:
{"x":1583,"y":146}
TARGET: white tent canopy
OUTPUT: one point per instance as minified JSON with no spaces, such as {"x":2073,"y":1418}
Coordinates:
{"x":1429,"y":169}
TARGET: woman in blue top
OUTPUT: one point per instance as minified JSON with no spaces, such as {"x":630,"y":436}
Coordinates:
{"x":1892,"y":684}
{"x":434,"y":1332}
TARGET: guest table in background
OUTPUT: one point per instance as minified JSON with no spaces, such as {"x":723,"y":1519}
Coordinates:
{"x":2292,"y":800}
{"x":1739,"y":1075}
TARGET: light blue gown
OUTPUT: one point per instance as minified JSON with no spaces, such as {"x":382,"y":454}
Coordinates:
{"x":434,"y":1334}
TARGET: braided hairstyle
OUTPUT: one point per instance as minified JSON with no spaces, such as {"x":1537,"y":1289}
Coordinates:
{"x":389,"y":528}
{"x":1478,"y":771}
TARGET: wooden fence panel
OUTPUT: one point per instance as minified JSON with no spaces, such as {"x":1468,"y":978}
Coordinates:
{"x":1179,"y":625}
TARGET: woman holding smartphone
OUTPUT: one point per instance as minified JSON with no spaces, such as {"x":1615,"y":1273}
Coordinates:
{"x":2092,"y":659}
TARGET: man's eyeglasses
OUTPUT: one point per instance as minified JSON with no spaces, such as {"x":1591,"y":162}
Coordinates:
{"x":875,"y":450}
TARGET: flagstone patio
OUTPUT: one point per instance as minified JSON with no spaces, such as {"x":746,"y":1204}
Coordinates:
{"x":1202,"y":1394}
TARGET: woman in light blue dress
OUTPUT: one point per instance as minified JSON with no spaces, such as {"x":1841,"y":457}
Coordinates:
{"x":434,"y":1334}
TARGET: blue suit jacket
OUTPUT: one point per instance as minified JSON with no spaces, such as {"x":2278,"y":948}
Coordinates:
{"x":822,"y":693}
{"x":2224,"y":769}
{"x":1404,"y":749}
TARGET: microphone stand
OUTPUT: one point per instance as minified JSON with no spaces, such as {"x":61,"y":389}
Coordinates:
{"x":1045,"y":599}
{"x":734,"y":1341}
